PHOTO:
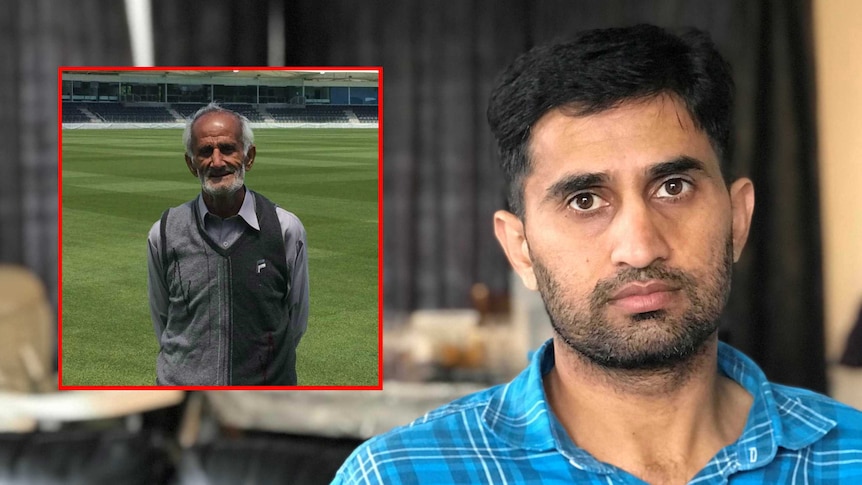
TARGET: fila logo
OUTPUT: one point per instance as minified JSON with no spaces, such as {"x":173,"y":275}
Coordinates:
{"x":261,"y":264}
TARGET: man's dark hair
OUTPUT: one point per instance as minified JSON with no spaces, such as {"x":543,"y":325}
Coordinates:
{"x":600,"y":69}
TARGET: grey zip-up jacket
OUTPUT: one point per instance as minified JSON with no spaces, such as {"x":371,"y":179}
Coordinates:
{"x":225,"y":321}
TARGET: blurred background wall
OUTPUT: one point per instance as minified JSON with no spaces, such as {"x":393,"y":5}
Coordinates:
{"x":794,"y":69}
{"x":35,"y":38}
{"x":839,"y":75}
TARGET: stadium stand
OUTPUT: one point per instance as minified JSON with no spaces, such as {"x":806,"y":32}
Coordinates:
{"x":75,"y":112}
{"x":186,"y":109}
{"x":116,"y":113}
{"x":247,"y":110}
{"x":71,"y":113}
{"x":365,"y":114}
{"x":282,"y":114}
{"x":310,"y":114}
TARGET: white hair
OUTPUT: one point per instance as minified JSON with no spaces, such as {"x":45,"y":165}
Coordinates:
{"x":245,"y":124}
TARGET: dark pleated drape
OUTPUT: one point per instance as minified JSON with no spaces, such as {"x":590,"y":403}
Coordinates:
{"x":210,"y":32}
{"x":441,"y":181}
{"x":777,"y":311}
{"x":36,"y":37}
{"x":441,"y":178}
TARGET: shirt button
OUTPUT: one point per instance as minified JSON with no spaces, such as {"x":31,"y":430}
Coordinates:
{"x":225,"y":244}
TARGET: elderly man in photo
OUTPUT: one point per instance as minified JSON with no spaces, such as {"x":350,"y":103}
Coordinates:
{"x":624,"y":218}
{"x":228,"y":270}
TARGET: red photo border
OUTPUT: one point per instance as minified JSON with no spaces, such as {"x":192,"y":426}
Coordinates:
{"x":62,"y":69}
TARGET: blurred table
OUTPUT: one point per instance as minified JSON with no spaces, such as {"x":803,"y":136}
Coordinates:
{"x":354,"y":414}
{"x":21,"y":412}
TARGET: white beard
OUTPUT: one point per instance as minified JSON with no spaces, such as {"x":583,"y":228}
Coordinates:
{"x":221,"y":191}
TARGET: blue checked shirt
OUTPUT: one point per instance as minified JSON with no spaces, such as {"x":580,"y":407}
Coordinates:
{"x":508,"y":435}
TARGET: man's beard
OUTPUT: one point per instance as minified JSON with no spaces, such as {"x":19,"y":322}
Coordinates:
{"x":645,"y":341}
{"x":221,"y":191}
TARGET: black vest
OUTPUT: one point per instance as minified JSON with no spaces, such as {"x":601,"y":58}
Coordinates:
{"x":226,"y":313}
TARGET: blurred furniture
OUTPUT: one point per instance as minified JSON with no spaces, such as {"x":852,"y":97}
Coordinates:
{"x":25,"y":332}
{"x":334,"y":414}
{"x":85,"y":437}
{"x":845,"y":376}
{"x":73,"y":437}
{"x":487,"y":345}
{"x":175,"y":437}
{"x":853,"y":350}
{"x":293,"y":437}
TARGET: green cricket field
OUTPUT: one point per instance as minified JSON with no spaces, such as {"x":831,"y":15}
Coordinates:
{"x":117,"y":183}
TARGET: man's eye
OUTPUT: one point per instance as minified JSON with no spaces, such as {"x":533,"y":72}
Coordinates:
{"x":227,"y":149}
{"x":587,"y":202}
{"x":205,"y":152}
{"x":674,"y":187}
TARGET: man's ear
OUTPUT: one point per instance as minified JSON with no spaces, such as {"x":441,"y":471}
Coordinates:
{"x":249,"y":157}
{"x":509,"y":230}
{"x":742,"y":207}
{"x":191,"y":166}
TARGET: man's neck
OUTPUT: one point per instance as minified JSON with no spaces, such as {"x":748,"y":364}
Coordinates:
{"x":661,"y":426}
{"x":225,"y":206}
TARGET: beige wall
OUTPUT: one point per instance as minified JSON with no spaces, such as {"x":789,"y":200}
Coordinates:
{"x":838,"y":54}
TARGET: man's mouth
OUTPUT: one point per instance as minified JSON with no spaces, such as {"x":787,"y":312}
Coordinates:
{"x":641,"y":297}
{"x":218,"y":175}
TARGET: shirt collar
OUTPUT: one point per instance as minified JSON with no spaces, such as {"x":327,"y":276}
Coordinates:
{"x":519,"y":415}
{"x":246,"y":211}
{"x":776,"y":419}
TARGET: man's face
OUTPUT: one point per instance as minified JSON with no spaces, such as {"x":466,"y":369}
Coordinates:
{"x":218,"y":158}
{"x":629,"y":232}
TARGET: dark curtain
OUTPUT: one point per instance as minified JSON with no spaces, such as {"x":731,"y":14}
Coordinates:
{"x":441,"y":178}
{"x":210,"y":32}
{"x":36,"y":37}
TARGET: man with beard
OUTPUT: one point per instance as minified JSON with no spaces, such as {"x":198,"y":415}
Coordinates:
{"x":624,"y":220}
{"x":228,"y":272}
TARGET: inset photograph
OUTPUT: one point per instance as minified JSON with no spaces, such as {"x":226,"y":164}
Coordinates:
{"x":220,"y":227}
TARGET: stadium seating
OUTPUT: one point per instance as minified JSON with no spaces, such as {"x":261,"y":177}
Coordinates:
{"x":365,"y":114}
{"x":71,"y":113}
{"x":187,"y":109}
{"x":120,"y":113}
{"x":310,"y":114}
{"x":130,"y":113}
{"x":247,"y":110}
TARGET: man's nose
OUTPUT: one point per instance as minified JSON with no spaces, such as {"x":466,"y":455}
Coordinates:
{"x":217,"y":158}
{"x":638,"y":236}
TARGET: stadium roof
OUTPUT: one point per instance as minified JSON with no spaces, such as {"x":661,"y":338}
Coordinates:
{"x":276,"y":73}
